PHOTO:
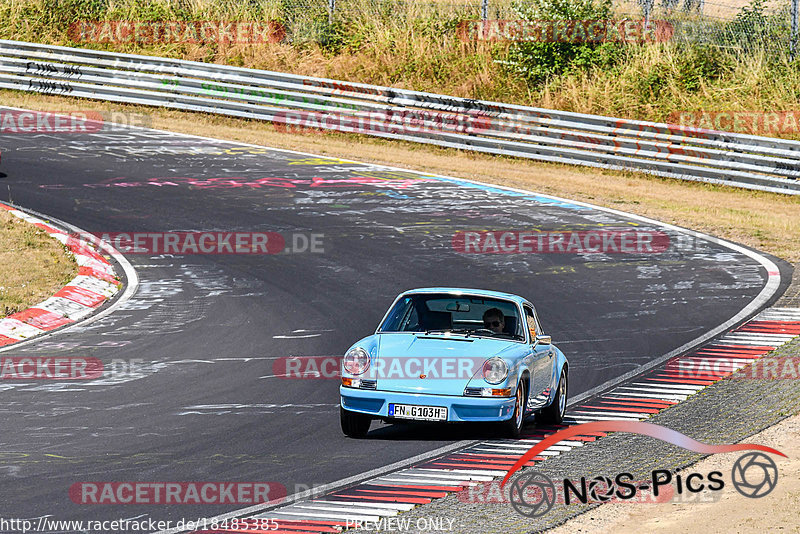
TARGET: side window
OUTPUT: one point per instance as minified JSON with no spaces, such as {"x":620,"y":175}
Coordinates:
{"x":531,"y":321}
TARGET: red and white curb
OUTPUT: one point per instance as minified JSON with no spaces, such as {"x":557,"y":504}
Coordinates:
{"x":391,"y":494}
{"x":96,"y":282}
{"x":681,"y":377}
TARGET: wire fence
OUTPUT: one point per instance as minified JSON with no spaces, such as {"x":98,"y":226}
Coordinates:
{"x":742,"y":25}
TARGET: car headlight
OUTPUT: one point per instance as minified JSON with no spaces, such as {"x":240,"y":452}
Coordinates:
{"x":356,"y":361}
{"x":495,"y":370}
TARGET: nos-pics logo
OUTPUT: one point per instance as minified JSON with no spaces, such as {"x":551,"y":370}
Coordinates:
{"x":533,"y":494}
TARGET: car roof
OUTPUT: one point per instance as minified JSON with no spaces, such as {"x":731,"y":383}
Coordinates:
{"x":467,"y":291}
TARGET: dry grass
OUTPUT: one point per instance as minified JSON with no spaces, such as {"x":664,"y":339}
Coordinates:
{"x":767,"y":222}
{"x":33,"y":265}
{"x":654,"y":84}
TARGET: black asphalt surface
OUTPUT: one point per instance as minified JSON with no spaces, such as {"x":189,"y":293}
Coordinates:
{"x":204,"y":331}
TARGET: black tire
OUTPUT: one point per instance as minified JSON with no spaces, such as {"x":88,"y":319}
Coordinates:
{"x":513,"y":427}
{"x":554,"y":414}
{"x":354,"y":425}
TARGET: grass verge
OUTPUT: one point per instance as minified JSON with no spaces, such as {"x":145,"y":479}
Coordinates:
{"x":33,"y":265}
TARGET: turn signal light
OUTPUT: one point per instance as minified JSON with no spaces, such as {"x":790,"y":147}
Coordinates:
{"x":487,"y":392}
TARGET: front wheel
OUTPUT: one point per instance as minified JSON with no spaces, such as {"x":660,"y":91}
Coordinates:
{"x":354,"y":425}
{"x":513,"y":427}
{"x":554,"y":413}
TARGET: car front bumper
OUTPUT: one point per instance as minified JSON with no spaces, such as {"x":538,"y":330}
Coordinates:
{"x":376,"y":403}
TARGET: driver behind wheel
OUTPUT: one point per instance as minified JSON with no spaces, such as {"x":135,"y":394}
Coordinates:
{"x":494,"y":320}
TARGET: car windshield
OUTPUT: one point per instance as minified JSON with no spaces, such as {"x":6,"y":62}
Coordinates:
{"x":462,"y":314}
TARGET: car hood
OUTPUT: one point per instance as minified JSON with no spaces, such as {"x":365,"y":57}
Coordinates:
{"x":433,"y":364}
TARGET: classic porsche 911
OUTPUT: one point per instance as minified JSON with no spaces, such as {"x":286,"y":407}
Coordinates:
{"x":454,"y":355}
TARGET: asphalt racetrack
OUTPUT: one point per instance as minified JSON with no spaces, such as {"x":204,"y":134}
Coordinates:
{"x":204,"y":332}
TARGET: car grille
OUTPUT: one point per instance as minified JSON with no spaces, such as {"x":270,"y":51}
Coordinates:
{"x":369,"y":384}
{"x":473,"y":392}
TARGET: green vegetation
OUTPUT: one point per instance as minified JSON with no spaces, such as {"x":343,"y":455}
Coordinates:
{"x":537,"y":62}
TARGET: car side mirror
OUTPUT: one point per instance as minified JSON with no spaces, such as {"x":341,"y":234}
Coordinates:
{"x":544,"y":340}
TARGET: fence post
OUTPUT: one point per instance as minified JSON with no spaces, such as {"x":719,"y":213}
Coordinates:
{"x":331,"y":9}
{"x":793,"y":38}
{"x":485,"y":10}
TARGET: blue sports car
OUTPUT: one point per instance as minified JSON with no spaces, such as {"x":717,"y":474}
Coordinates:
{"x":445,"y":354}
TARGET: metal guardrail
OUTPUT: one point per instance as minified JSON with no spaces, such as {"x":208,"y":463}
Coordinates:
{"x":747,"y":161}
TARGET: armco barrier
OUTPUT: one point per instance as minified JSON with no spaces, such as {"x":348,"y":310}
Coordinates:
{"x":668,"y":150}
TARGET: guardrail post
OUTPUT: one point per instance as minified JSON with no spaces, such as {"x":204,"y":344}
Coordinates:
{"x":484,"y":10}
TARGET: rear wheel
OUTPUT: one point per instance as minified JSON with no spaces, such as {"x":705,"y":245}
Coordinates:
{"x":554,"y":413}
{"x":354,"y":425}
{"x":513,"y":427}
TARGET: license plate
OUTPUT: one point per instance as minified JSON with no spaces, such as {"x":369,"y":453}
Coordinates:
{"x":422,"y":413}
